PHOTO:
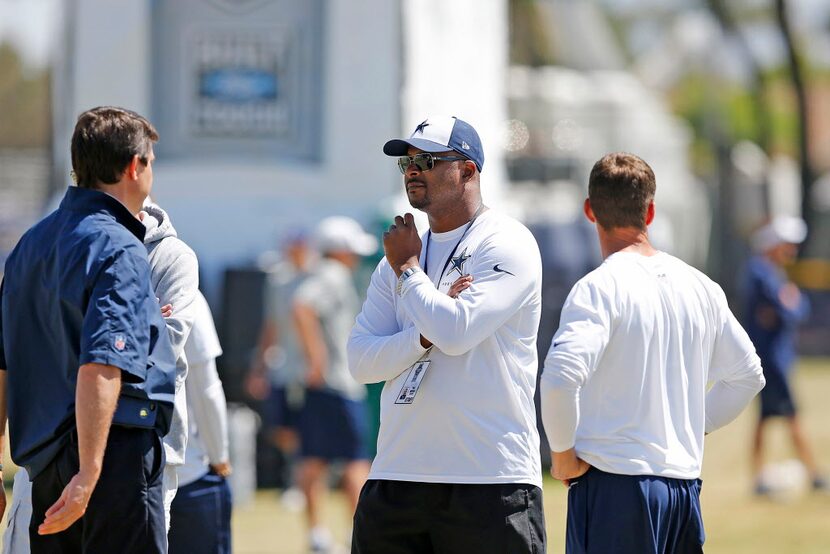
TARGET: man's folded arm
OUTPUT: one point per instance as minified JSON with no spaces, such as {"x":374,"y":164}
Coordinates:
{"x":503,"y":279}
{"x":735,"y":371}
{"x":378,"y":349}
{"x":727,"y":399}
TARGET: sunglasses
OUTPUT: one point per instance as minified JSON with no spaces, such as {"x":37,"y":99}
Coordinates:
{"x":424,"y":161}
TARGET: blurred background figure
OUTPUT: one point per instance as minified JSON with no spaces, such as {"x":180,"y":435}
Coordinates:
{"x":773,"y":309}
{"x":333,"y":421}
{"x":277,"y":375}
{"x":200,"y":516}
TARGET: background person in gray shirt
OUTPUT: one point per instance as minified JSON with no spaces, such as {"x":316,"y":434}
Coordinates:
{"x":333,"y":421}
{"x":277,"y":376}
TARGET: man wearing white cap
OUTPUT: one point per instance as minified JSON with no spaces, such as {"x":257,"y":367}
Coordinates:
{"x":773,"y":308}
{"x":333,"y":422}
{"x":450,"y":323}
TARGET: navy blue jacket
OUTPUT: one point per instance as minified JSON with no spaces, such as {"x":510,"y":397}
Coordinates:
{"x":76,"y":290}
{"x":774,"y":338}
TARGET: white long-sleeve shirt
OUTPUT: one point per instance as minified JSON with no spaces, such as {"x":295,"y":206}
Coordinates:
{"x":648,"y":357}
{"x":473,"y":418}
{"x":207,"y":438}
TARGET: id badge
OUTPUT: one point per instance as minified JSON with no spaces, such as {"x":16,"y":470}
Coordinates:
{"x":412,"y":382}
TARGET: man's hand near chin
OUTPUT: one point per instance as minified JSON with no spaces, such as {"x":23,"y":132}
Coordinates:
{"x":402,"y":244}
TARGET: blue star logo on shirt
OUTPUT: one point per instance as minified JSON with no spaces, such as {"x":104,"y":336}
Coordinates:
{"x":457,"y":263}
{"x":421,"y":126}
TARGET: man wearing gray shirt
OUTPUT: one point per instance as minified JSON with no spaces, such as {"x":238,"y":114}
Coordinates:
{"x":277,"y":375}
{"x":333,"y":420}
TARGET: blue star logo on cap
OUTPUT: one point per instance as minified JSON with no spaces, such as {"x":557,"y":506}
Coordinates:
{"x":421,"y":126}
{"x":457,"y":263}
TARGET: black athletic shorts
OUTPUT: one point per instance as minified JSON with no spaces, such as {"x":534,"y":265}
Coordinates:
{"x":402,"y":517}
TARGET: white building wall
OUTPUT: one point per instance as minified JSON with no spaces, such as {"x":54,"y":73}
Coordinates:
{"x":456,"y":56}
{"x":229,"y":211}
{"x":387,"y":65}
{"x":111,"y":65}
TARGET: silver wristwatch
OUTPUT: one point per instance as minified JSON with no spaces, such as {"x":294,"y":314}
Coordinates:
{"x":406,"y":274}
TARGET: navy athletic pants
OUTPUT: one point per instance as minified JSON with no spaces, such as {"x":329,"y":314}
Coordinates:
{"x":633,"y":514}
{"x":125,"y":512}
{"x":200,"y":517}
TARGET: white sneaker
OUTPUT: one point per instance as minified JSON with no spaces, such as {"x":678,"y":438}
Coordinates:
{"x":293,"y":500}
{"x":319,"y":540}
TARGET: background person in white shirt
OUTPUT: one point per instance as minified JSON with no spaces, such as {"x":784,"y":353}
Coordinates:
{"x":625,"y":389}
{"x":200,"y":515}
{"x":450,"y":325}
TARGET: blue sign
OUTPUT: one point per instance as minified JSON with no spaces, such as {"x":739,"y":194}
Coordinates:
{"x":238,"y":85}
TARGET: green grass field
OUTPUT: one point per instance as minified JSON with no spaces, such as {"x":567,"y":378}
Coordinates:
{"x":736,"y":522}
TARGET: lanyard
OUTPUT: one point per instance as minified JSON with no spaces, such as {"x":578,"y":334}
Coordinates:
{"x":454,"y":248}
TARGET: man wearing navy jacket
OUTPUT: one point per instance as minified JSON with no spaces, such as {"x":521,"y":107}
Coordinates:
{"x":89,"y":370}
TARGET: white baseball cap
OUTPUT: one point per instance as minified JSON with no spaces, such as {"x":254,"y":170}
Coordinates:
{"x":782,"y":229}
{"x":340,"y":233}
{"x":440,"y":134}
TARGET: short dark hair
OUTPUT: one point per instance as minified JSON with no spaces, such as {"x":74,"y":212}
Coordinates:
{"x":105,"y":140}
{"x":620,"y":189}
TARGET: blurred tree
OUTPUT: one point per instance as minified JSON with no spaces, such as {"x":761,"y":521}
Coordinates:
{"x":757,"y":88}
{"x":529,"y":41}
{"x":797,"y":79}
{"x":24,"y":96}
{"x":761,"y":115}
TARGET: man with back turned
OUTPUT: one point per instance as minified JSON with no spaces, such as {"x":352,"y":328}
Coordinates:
{"x":647,"y":359}
{"x":88,"y":367}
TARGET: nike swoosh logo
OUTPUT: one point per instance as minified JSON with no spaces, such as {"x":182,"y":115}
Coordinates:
{"x":497,"y":269}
